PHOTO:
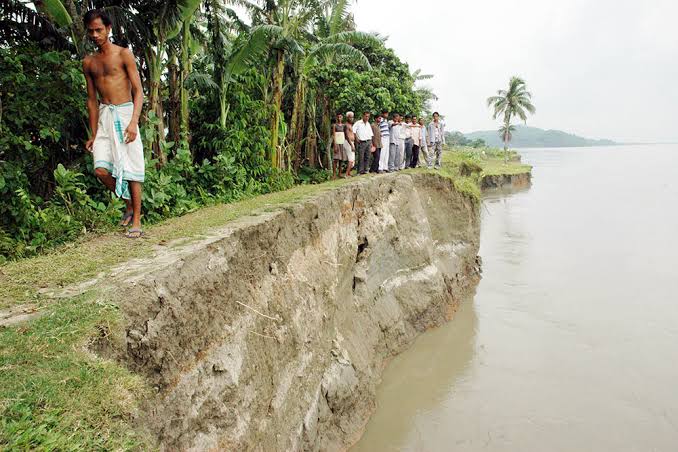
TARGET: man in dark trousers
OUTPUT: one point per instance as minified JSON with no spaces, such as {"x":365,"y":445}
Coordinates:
{"x":376,"y":144}
{"x":363,"y":136}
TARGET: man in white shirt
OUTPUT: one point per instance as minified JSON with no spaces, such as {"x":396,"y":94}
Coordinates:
{"x":436,"y":139}
{"x":402,"y":138}
{"x":407,"y":129}
{"x":416,"y":143}
{"x":394,"y":152}
{"x":363,"y":136}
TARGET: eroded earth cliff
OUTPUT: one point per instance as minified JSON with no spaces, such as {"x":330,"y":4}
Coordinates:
{"x":272,"y":333}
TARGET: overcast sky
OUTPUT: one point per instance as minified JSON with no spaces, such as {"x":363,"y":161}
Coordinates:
{"x":598,"y":68}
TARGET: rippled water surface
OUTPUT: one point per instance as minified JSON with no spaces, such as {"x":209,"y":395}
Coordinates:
{"x":571,"y":343}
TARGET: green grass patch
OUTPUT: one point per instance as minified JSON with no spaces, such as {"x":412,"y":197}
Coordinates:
{"x":498,"y":168}
{"x":467,"y":166}
{"x":54,"y":395}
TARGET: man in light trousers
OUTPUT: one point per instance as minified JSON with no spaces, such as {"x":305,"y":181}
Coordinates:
{"x":384,"y":127}
{"x":395,"y":148}
{"x":402,"y":137}
{"x":436,"y":139}
{"x":425,"y":159}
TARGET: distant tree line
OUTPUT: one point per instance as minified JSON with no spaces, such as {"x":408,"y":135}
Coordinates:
{"x":458,"y":139}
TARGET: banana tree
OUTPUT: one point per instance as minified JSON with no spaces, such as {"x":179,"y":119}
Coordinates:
{"x":280,"y":28}
{"x":327,"y":51}
{"x":169,"y":18}
{"x":334,"y":25}
{"x":221,"y":48}
{"x":62,"y":14}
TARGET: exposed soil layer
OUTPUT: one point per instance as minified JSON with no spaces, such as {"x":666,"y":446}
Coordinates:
{"x":272,"y":333}
{"x":506,"y":181}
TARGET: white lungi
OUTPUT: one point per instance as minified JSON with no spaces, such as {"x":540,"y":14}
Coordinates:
{"x":125,"y":161}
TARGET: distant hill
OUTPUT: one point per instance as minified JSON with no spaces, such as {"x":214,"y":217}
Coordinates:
{"x":532,"y":137}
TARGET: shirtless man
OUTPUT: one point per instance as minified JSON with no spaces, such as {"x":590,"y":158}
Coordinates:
{"x":114,"y":118}
{"x":349,"y":144}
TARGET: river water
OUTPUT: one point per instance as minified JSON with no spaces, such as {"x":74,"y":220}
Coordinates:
{"x":571,"y":342}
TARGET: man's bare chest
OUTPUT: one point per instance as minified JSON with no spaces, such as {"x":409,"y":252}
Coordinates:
{"x":109,"y":67}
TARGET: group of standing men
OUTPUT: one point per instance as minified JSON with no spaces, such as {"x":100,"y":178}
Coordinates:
{"x":385,"y":145}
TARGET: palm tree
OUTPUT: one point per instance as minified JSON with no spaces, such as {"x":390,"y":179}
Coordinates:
{"x":507,"y":132}
{"x":425,"y":93}
{"x":516,"y":101}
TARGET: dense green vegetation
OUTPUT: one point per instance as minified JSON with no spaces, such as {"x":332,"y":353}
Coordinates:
{"x":235,"y":105}
{"x":532,"y":137}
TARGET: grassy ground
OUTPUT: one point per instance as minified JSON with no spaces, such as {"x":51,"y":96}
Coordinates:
{"x":54,"y":394}
{"x":467,"y":167}
{"x":489,"y":160}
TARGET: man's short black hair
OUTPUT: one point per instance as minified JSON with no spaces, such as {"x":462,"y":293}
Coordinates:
{"x":94,"y":14}
{"x":383,"y":112}
{"x":367,"y":112}
{"x":436,"y":113}
{"x":408,"y":117}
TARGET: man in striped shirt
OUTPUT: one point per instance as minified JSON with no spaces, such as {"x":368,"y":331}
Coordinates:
{"x":385,"y":142}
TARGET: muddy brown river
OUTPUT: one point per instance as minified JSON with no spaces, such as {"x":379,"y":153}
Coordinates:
{"x":571,"y":342}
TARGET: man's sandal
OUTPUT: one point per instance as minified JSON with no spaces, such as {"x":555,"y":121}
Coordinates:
{"x":134,"y":233}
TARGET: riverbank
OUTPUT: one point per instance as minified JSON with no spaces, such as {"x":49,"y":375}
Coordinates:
{"x":70,"y":395}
